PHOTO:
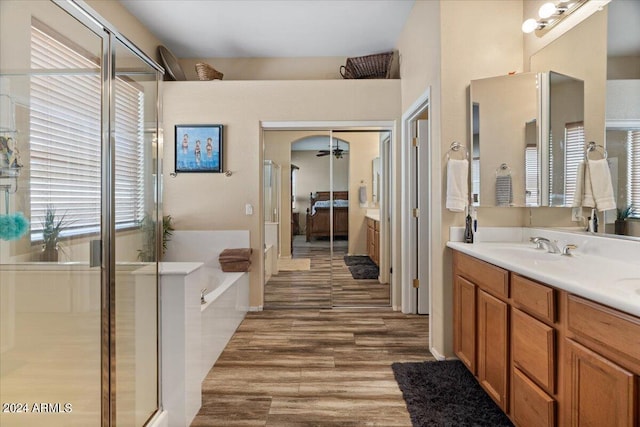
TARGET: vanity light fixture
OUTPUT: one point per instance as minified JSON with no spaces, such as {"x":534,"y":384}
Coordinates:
{"x":550,"y":14}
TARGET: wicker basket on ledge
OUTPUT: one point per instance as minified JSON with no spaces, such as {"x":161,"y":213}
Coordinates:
{"x":207,"y":72}
{"x":376,"y":66}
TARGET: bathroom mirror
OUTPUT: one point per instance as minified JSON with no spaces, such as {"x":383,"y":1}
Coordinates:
{"x":527,"y":136}
{"x":604,"y":52}
{"x":563,"y":138}
{"x":504,"y":140}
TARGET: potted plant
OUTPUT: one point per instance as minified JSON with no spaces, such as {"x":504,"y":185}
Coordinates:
{"x":148,"y":226}
{"x":52,"y":226}
{"x":621,"y":219}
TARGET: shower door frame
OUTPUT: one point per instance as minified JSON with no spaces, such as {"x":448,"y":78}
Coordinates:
{"x":93,"y":21}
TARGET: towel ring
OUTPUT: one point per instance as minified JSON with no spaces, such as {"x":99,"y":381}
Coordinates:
{"x":503,"y":170}
{"x":592,"y":146}
{"x":456,"y":147}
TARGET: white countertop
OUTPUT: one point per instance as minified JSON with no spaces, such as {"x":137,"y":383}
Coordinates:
{"x":603,"y":279}
{"x":373,"y":214}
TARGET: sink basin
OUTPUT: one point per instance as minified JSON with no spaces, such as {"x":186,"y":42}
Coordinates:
{"x":526,"y":253}
{"x":631,"y":283}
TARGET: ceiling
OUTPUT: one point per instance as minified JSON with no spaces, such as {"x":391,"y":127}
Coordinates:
{"x":273,"y":28}
{"x":623,"y":30}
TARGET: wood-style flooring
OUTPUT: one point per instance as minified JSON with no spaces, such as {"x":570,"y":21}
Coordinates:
{"x":314,"y":367}
{"x":328,"y":283}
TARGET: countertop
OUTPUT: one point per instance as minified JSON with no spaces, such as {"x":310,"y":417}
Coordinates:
{"x":605,"y":280}
{"x":373,"y":214}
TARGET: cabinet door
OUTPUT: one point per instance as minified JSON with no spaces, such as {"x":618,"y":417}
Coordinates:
{"x":492,"y":347}
{"x":601,"y":392}
{"x":464,"y":295}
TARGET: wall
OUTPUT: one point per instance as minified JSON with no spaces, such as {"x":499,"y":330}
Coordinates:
{"x":444,"y":46}
{"x":269,"y":68}
{"x":216,"y":202}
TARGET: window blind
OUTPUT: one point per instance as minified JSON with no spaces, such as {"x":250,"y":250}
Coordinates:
{"x":65,"y":139}
{"x":531,"y":174}
{"x":573,"y":155}
{"x":633,"y":171}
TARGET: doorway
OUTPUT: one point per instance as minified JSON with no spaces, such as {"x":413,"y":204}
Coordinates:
{"x":330,"y":215}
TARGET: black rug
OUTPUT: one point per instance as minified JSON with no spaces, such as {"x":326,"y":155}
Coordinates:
{"x":358,"y":260}
{"x":362,"y":267}
{"x":364,"y":271}
{"x":446,"y":394}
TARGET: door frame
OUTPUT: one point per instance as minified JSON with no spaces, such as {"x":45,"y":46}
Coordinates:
{"x":433,"y":220}
{"x":387,"y":207}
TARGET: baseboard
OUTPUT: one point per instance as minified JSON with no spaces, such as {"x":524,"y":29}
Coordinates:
{"x":160,"y":419}
{"x":437,"y":354}
{"x":255,"y":308}
{"x":397,"y":308}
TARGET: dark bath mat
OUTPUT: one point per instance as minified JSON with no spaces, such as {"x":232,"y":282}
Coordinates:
{"x":364,"y":271}
{"x":358,"y":260}
{"x":446,"y":394}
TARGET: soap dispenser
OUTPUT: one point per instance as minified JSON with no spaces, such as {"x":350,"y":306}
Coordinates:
{"x":468,"y":227}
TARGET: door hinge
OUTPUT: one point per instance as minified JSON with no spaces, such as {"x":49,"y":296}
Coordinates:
{"x":416,"y":283}
{"x":391,"y":270}
{"x":414,"y":142}
{"x":415,"y":212}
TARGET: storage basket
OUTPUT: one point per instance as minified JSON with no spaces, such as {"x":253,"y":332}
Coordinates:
{"x":376,"y":66}
{"x":207,"y":72}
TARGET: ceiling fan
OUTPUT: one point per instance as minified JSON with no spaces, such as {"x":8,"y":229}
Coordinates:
{"x":336,"y":151}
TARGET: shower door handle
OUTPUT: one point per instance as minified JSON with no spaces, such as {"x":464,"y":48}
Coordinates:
{"x":95,"y":253}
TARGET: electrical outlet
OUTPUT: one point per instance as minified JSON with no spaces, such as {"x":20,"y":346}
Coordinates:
{"x":576,"y":214}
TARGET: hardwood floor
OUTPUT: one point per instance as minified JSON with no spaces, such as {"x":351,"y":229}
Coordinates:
{"x":328,"y":283}
{"x":314,"y":367}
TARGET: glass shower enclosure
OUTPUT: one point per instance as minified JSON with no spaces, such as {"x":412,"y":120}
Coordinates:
{"x":79,"y":210}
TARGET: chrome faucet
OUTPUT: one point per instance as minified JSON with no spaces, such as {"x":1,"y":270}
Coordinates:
{"x":566,"y":250}
{"x":543,"y":242}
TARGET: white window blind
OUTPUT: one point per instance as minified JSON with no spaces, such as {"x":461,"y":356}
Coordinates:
{"x":573,"y":155}
{"x":65,"y":139}
{"x":475,"y":180}
{"x":531,"y":174}
{"x":633,"y":171}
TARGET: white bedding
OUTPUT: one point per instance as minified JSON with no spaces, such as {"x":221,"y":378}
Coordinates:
{"x":326,"y":204}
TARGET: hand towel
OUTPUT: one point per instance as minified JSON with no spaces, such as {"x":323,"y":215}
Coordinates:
{"x":457,"y":185}
{"x":504,"y":190}
{"x":578,"y":196}
{"x":362,"y":195}
{"x":587,"y":199}
{"x":601,"y":186}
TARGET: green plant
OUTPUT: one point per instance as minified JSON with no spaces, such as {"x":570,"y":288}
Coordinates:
{"x":52,"y":226}
{"x":625,"y":213}
{"x":148,"y":227}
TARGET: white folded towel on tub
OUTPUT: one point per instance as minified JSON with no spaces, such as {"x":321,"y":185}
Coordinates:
{"x":601,"y":186}
{"x":457,"y":185}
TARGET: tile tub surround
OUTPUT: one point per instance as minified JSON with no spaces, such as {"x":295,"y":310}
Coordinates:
{"x":602,"y":269}
{"x":194,"y":334}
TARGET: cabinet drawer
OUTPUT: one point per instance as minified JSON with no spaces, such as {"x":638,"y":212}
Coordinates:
{"x":534,"y":298}
{"x":615,"y":330}
{"x":371,"y":223}
{"x":530,"y":405}
{"x":486,"y":276}
{"x":533,"y":347}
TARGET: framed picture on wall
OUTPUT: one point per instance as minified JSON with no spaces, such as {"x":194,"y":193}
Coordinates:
{"x":199,"y":148}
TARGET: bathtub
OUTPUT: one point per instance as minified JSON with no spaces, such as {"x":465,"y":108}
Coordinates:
{"x":194,"y":333}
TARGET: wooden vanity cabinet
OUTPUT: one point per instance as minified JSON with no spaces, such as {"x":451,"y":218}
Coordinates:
{"x":560,"y":359}
{"x":373,"y":240}
{"x":481,"y":323}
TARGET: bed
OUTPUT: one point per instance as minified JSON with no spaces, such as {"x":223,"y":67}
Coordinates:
{"x":318,"y":214}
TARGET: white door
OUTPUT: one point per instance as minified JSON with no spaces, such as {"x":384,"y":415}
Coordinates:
{"x":422,"y":226}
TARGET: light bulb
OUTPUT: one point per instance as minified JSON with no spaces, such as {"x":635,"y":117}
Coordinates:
{"x":547,"y":10}
{"x":529,"y":26}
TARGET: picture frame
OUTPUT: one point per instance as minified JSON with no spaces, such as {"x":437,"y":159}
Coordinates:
{"x":199,"y":148}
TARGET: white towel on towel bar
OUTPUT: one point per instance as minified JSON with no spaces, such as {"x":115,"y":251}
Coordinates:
{"x":457,"y":185}
{"x":601,"y":187}
{"x":582,"y":196}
